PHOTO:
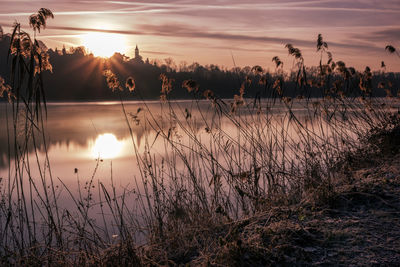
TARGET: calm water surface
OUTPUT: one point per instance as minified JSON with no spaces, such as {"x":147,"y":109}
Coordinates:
{"x":91,"y":141}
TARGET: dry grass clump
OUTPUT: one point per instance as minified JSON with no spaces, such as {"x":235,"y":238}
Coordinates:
{"x":385,"y":137}
{"x":355,"y":227}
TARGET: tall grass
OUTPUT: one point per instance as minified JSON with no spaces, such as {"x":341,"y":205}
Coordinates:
{"x":277,"y":150}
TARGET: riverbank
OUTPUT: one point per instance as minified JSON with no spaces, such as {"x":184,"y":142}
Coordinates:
{"x":350,"y":217}
{"x":352,"y":221}
{"x":356,"y":223}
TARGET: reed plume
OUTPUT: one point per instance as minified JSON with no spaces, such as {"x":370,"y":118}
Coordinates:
{"x":190,"y":85}
{"x":130,"y":84}
{"x":38,"y":20}
{"x":277,"y":62}
{"x":392,"y":50}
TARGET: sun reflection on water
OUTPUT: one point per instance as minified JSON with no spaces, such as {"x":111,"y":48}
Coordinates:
{"x":107,"y":146}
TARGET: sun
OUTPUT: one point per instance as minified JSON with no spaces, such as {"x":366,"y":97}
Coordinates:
{"x":106,"y":146}
{"x":104,"y":44}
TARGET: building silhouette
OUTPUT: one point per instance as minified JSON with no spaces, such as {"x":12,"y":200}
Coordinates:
{"x":138,"y":58}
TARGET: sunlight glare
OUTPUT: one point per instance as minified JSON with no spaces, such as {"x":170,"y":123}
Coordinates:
{"x":104,"y":44}
{"x":106,"y":146}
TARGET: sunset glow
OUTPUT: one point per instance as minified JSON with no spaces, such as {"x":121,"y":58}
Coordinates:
{"x":104,"y":44}
{"x":212,"y":32}
{"x":106,"y":146}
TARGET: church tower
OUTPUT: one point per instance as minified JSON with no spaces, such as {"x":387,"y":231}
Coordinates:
{"x":138,"y":58}
{"x":137,"y":52}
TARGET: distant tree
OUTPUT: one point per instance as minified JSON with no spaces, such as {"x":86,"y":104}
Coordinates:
{"x":170,"y":63}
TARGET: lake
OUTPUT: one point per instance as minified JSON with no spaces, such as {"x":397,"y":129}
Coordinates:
{"x":93,"y":152}
{"x":80,"y":133}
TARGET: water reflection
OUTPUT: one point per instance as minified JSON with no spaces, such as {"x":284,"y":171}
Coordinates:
{"x":106,"y":146}
{"x":73,"y":129}
{"x":79,"y":134}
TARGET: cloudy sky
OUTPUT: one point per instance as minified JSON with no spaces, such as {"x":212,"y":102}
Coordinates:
{"x":223,"y":32}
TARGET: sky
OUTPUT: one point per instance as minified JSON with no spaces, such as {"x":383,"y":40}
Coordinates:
{"x":222,"y":32}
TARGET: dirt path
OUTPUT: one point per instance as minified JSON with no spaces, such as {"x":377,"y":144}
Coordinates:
{"x":360,"y":226}
{"x":357,"y":225}
{"x":363,"y":228}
